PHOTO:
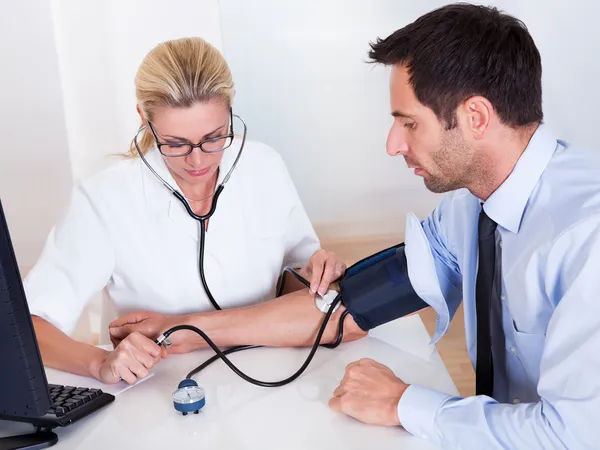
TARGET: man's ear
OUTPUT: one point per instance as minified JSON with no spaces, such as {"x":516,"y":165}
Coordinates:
{"x":477,"y":112}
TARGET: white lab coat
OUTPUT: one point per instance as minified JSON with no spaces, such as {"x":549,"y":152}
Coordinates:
{"x":125,"y":233}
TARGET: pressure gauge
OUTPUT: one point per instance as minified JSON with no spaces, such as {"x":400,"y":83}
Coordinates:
{"x":189,"y":397}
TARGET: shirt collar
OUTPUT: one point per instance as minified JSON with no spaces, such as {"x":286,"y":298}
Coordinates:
{"x":507,"y":204}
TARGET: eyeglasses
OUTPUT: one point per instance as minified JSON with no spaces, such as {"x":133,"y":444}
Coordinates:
{"x":211,"y":145}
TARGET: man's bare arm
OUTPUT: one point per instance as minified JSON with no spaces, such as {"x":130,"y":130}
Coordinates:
{"x":292,"y":320}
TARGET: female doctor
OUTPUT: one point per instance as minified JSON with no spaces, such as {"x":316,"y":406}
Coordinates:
{"x":130,"y":230}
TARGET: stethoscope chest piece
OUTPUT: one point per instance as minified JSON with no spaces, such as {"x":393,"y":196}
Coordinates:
{"x":188,"y":397}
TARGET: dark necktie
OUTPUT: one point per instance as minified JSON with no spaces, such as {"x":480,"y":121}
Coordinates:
{"x":484,"y":296}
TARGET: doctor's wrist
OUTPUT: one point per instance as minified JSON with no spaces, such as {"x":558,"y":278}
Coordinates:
{"x":96,"y":359}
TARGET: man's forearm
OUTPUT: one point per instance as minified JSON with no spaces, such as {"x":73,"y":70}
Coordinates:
{"x":288,"y":321}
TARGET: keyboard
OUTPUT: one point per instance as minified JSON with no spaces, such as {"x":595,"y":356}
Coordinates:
{"x":70,"y":404}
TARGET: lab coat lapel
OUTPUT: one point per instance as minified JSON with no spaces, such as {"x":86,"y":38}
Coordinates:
{"x":161,"y":200}
{"x":223,"y":239}
{"x":180,"y":217}
{"x":221,"y":230}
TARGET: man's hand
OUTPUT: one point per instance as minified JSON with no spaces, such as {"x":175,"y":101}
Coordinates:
{"x":151,"y":325}
{"x":369,"y":392}
{"x":130,"y":360}
{"x":322,"y":269}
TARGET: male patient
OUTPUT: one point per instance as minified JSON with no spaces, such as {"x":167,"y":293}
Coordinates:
{"x":517,"y":240}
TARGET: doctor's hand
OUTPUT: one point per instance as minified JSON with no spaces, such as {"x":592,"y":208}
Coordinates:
{"x":369,"y":392}
{"x":151,"y":325}
{"x":322,"y":269}
{"x":131,"y":360}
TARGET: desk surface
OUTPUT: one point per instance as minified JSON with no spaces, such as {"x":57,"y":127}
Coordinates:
{"x":239,"y":415}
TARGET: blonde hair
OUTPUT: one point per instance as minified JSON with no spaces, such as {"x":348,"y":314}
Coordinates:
{"x":180,"y":73}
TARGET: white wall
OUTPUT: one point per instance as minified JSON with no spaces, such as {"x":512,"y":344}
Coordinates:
{"x":100,"y":44}
{"x":68,"y":98}
{"x":568,"y":37}
{"x":304,"y":88}
{"x":35,"y":175}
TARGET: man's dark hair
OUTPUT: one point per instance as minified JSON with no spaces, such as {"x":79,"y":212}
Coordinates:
{"x":461,"y":50}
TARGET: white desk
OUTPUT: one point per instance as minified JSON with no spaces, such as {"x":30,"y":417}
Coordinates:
{"x":239,"y":415}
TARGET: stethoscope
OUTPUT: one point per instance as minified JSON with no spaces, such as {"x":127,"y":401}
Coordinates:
{"x":189,"y":397}
{"x":215,"y":198}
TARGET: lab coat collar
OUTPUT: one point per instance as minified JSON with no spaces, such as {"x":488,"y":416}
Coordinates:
{"x":162,"y":200}
{"x":155,"y":159}
{"x":507,"y":204}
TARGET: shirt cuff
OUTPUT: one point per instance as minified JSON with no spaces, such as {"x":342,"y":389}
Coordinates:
{"x":417,"y":410}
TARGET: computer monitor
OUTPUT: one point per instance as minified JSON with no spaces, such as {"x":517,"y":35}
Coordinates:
{"x":23,"y":386}
{"x":24,"y":393}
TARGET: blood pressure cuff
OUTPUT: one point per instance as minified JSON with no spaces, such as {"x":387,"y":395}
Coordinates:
{"x":377,"y":289}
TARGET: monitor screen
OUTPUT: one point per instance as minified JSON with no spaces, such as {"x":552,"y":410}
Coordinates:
{"x":23,"y":385}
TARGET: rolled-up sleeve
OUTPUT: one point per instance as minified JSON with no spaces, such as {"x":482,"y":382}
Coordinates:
{"x":76,"y":263}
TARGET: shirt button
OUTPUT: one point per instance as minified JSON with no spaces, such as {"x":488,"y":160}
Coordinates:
{"x":503,"y":298}
{"x":516,"y":401}
{"x":513,"y":350}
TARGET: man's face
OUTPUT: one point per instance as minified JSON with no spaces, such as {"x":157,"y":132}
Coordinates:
{"x":442,"y":157}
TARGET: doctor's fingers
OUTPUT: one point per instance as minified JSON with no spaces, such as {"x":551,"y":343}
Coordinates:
{"x":123,"y":373}
{"x":332,"y":271}
{"x":142,"y":349}
{"x":338,"y":271}
{"x":118,"y":366}
{"x":131,"y":366}
{"x":317,"y":266}
{"x":148,"y":346}
{"x":130,"y":370}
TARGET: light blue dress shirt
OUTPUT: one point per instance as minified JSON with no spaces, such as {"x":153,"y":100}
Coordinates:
{"x":547,"y":393}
